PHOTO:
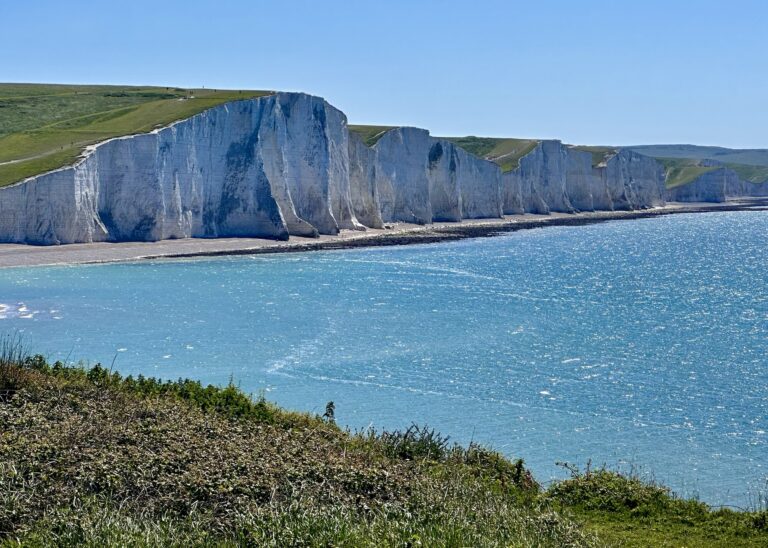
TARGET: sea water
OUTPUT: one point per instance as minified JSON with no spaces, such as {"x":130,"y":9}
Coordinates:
{"x":639,"y":344}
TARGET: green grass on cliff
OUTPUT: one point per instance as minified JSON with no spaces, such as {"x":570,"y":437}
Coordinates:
{"x":370,"y":134}
{"x":753,"y":174}
{"x":505,"y":152}
{"x":90,"y":458}
{"x":682,"y":162}
{"x":599,"y":154}
{"x":681,"y":171}
{"x":44,"y":127}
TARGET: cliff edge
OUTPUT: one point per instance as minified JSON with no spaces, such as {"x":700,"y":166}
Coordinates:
{"x":287,"y":164}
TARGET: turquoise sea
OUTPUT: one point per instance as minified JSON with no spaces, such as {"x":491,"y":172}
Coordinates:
{"x":639,"y":344}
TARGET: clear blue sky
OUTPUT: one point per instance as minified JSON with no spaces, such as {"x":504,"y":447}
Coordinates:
{"x":592,"y":72}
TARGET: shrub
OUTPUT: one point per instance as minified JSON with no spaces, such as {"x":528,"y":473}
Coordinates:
{"x":610,"y":491}
{"x":416,"y":442}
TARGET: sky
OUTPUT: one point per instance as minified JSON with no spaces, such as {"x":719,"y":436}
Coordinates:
{"x":586,"y":72}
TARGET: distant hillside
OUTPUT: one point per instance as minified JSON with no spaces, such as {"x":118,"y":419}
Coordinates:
{"x":47,"y":126}
{"x":752,"y":157}
{"x":750,"y":164}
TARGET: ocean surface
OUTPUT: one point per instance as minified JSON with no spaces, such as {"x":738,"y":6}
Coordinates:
{"x":642,"y":345}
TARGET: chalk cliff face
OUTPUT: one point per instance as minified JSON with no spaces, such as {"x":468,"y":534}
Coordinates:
{"x":287,"y":164}
{"x":756,"y":189}
{"x":585,"y":187}
{"x":716,"y":185}
{"x":512,"y":193}
{"x":544,"y":172}
{"x":421,"y":179}
{"x":556,"y":177}
{"x":269,"y":167}
{"x":362,"y":182}
{"x":634,"y":181}
{"x":401,"y":175}
{"x":443,"y":176}
{"x":480,"y":184}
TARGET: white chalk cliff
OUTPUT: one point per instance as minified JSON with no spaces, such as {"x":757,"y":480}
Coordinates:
{"x":286,"y":164}
{"x":421,"y":179}
{"x":717,"y":185}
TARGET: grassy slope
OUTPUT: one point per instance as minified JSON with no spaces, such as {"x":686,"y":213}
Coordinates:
{"x":753,"y":174}
{"x":599,"y":153}
{"x":681,"y":171}
{"x":370,"y":134}
{"x":750,"y":164}
{"x":503,"y":151}
{"x":44,"y":127}
{"x":89,"y":458}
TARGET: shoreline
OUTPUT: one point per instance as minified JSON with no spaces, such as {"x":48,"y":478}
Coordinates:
{"x":23,"y":255}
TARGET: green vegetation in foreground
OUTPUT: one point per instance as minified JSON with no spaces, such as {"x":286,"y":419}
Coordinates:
{"x":90,"y":458}
{"x":370,"y":134}
{"x":681,"y":171}
{"x":626,"y":511}
{"x":505,"y":152}
{"x":45,"y":127}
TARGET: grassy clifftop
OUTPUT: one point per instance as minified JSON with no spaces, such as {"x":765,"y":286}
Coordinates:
{"x":505,"y":152}
{"x":44,"y":127}
{"x":683,"y":161}
{"x":47,"y":126}
{"x":370,"y":134}
{"x":681,"y":171}
{"x":682,"y":165}
{"x":90,"y":458}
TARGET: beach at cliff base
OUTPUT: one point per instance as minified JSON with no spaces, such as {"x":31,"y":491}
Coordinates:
{"x":22,"y":255}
